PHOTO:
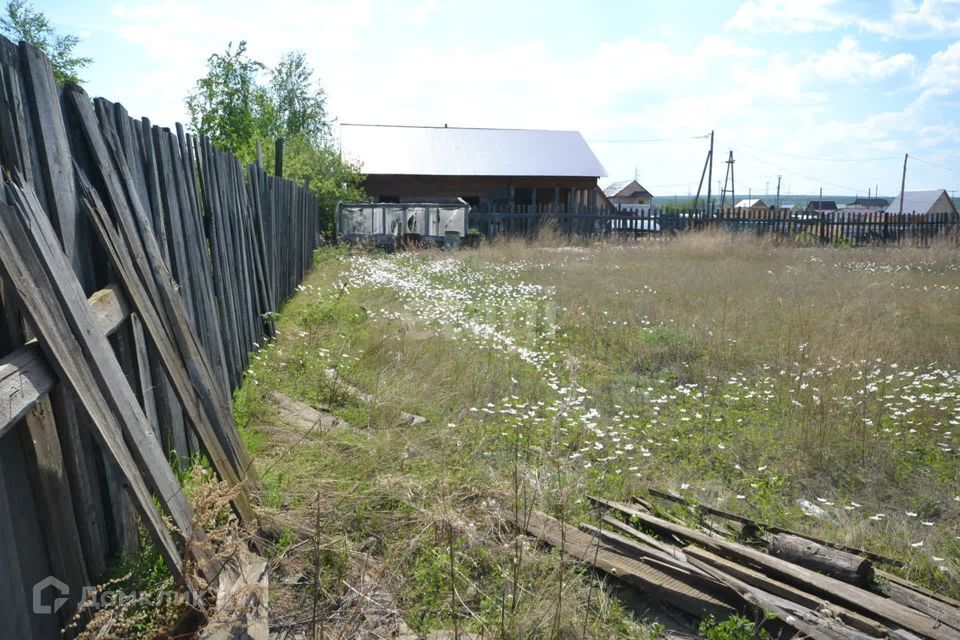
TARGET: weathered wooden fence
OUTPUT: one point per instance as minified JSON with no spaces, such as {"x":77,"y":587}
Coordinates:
{"x":140,"y":267}
{"x":837,"y":227}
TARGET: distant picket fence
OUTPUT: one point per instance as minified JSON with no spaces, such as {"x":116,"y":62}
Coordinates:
{"x":146,"y":264}
{"x":837,"y":227}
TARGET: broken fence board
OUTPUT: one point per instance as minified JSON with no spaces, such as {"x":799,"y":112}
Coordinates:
{"x":25,"y":375}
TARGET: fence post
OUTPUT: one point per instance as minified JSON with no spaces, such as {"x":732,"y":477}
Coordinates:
{"x":278,"y":159}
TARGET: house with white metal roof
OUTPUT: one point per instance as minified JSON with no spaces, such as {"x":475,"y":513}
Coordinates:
{"x":752,"y":203}
{"x":930,"y":201}
{"x":627,"y":192}
{"x":480,"y":166}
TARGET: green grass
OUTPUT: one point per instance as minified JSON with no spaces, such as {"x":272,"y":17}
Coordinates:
{"x":741,"y":374}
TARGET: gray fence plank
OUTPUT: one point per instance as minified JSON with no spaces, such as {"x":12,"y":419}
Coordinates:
{"x":42,"y":298}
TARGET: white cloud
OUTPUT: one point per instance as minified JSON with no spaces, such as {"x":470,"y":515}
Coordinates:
{"x":849,"y":63}
{"x":787,"y":16}
{"x":943,"y":71}
{"x":910,"y":20}
{"x":180,"y":35}
{"x":647,"y":86}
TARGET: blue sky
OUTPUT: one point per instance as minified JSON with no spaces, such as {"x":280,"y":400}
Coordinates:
{"x":825,"y":93}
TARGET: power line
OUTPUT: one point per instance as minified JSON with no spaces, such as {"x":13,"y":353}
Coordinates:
{"x":642,"y":141}
{"x":794,"y":155}
{"x":934,"y":164}
{"x":802,"y":175}
{"x":819,"y":159}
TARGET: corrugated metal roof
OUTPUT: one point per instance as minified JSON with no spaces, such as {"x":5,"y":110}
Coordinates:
{"x":750,"y":204}
{"x":916,"y":201}
{"x":443,"y":151}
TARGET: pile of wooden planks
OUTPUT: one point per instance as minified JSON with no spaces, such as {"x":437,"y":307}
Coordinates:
{"x":808,"y":588}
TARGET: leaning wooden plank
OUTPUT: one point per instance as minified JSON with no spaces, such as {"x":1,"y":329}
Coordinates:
{"x":768,"y":584}
{"x":771,"y":529}
{"x":832,"y":562}
{"x":836,"y":590}
{"x":120,"y":260}
{"x":14,"y":144}
{"x":15,"y":615}
{"x":54,"y":164}
{"x":30,"y":253}
{"x":143,"y":374}
{"x":25,"y":376}
{"x":652,"y":581}
{"x":146,"y":272}
{"x":81,"y":460}
{"x":54,"y":496}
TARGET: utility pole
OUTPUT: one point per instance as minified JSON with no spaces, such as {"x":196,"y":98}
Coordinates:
{"x":903,"y":181}
{"x":729,"y":178}
{"x":778,"y":191}
{"x":710,"y":176}
{"x":708,"y":163}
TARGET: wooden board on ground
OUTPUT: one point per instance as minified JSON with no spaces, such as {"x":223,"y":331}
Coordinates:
{"x":303,"y":417}
{"x":366,"y":398}
{"x":650,"y":580}
{"x":850,"y":596}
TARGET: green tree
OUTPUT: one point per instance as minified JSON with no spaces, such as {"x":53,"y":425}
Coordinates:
{"x":236,"y":110}
{"x":229,"y":106}
{"x":301,"y":109}
{"x":20,"y":21}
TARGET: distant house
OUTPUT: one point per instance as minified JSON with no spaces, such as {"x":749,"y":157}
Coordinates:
{"x":821,"y":206}
{"x":932,"y":201}
{"x":627,"y":192}
{"x":753,"y":203}
{"x":878,"y":204}
{"x":503,"y":167}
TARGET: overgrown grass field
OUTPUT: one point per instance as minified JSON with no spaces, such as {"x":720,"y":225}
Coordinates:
{"x":747,"y":375}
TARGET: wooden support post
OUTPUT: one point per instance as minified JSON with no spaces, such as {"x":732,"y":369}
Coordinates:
{"x":278,"y":159}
